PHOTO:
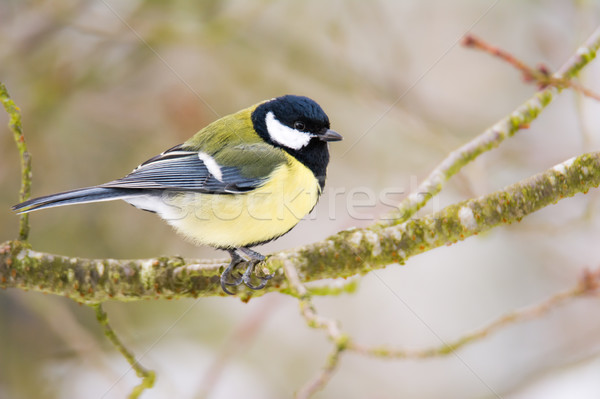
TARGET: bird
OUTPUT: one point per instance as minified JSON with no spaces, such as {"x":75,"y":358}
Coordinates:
{"x":241,"y":181}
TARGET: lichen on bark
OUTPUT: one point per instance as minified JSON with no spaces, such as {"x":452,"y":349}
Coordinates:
{"x":348,"y":253}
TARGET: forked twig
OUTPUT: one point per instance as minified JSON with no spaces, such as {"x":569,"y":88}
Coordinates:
{"x":541,"y":75}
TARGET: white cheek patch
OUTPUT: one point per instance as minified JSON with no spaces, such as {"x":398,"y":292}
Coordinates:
{"x":285,"y":135}
{"x":212,"y":165}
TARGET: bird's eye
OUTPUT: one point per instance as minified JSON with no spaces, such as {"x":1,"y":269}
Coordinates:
{"x":299,"y":126}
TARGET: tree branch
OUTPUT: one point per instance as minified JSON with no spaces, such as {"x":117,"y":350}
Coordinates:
{"x":14,"y":124}
{"x":492,"y":137}
{"x":146,"y":375}
{"x":588,"y":285}
{"x":539,"y":75}
{"x":345,"y":254}
{"x":348,"y":253}
{"x":314,"y":320}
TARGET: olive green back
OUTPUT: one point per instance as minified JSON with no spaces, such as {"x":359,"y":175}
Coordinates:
{"x":232,"y":141}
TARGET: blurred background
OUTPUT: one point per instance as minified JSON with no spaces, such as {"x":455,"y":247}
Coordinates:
{"x":104,"y":85}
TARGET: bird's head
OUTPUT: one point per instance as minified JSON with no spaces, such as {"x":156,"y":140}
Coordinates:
{"x":293,"y":123}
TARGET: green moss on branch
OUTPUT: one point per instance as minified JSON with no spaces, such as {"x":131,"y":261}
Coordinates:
{"x":348,"y":253}
{"x":492,"y":137}
{"x":14,"y":124}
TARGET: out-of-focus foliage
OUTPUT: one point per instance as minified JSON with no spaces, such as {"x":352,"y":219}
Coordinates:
{"x":104,"y":85}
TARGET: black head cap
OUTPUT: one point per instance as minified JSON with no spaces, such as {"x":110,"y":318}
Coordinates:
{"x":299,"y":126}
{"x":290,"y":109}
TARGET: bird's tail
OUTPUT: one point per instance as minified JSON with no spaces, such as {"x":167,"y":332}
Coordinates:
{"x":80,"y":196}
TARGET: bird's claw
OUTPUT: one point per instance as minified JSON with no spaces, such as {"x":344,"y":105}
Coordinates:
{"x":247,"y":278}
{"x":228,"y":280}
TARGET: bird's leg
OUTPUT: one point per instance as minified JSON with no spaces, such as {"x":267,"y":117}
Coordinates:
{"x":226,"y":278}
{"x":253,"y":258}
{"x":243,"y":255}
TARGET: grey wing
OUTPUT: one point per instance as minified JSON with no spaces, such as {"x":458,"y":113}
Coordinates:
{"x":181,"y":170}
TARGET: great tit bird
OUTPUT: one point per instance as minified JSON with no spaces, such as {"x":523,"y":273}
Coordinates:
{"x":244,"y":180}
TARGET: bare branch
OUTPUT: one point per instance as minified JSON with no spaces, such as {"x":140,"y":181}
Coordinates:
{"x":539,"y":75}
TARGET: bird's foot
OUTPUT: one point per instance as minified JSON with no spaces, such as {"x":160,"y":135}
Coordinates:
{"x":226,"y":277}
{"x":251,"y":258}
{"x":247,"y":278}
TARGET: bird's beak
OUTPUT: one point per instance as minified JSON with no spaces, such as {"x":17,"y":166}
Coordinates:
{"x":330,"y":135}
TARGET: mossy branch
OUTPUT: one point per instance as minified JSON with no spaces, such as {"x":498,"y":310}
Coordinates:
{"x":345,"y":254}
{"x":492,"y":137}
{"x":350,"y":252}
{"x":14,"y":124}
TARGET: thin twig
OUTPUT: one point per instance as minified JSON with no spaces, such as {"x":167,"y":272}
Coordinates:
{"x":314,"y":320}
{"x":529,"y":73}
{"x":307,"y":308}
{"x":146,"y":375}
{"x":541,"y":75}
{"x":14,"y":124}
{"x":493,"y":136}
{"x":348,"y":253}
{"x":319,"y":381}
{"x":588,"y":284}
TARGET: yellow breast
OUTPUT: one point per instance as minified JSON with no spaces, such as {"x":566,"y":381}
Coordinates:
{"x":237,"y":220}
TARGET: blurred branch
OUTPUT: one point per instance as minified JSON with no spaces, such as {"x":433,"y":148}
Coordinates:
{"x":320,"y":380}
{"x":589,"y":284}
{"x":350,"y":252}
{"x":541,"y":75}
{"x":347,"y":253}
{"x":146,"y":375}
{"x":492,"y":137}
{"x":14,"y":124}
{"x":26,"y":175}
{"x":314,"y":320}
